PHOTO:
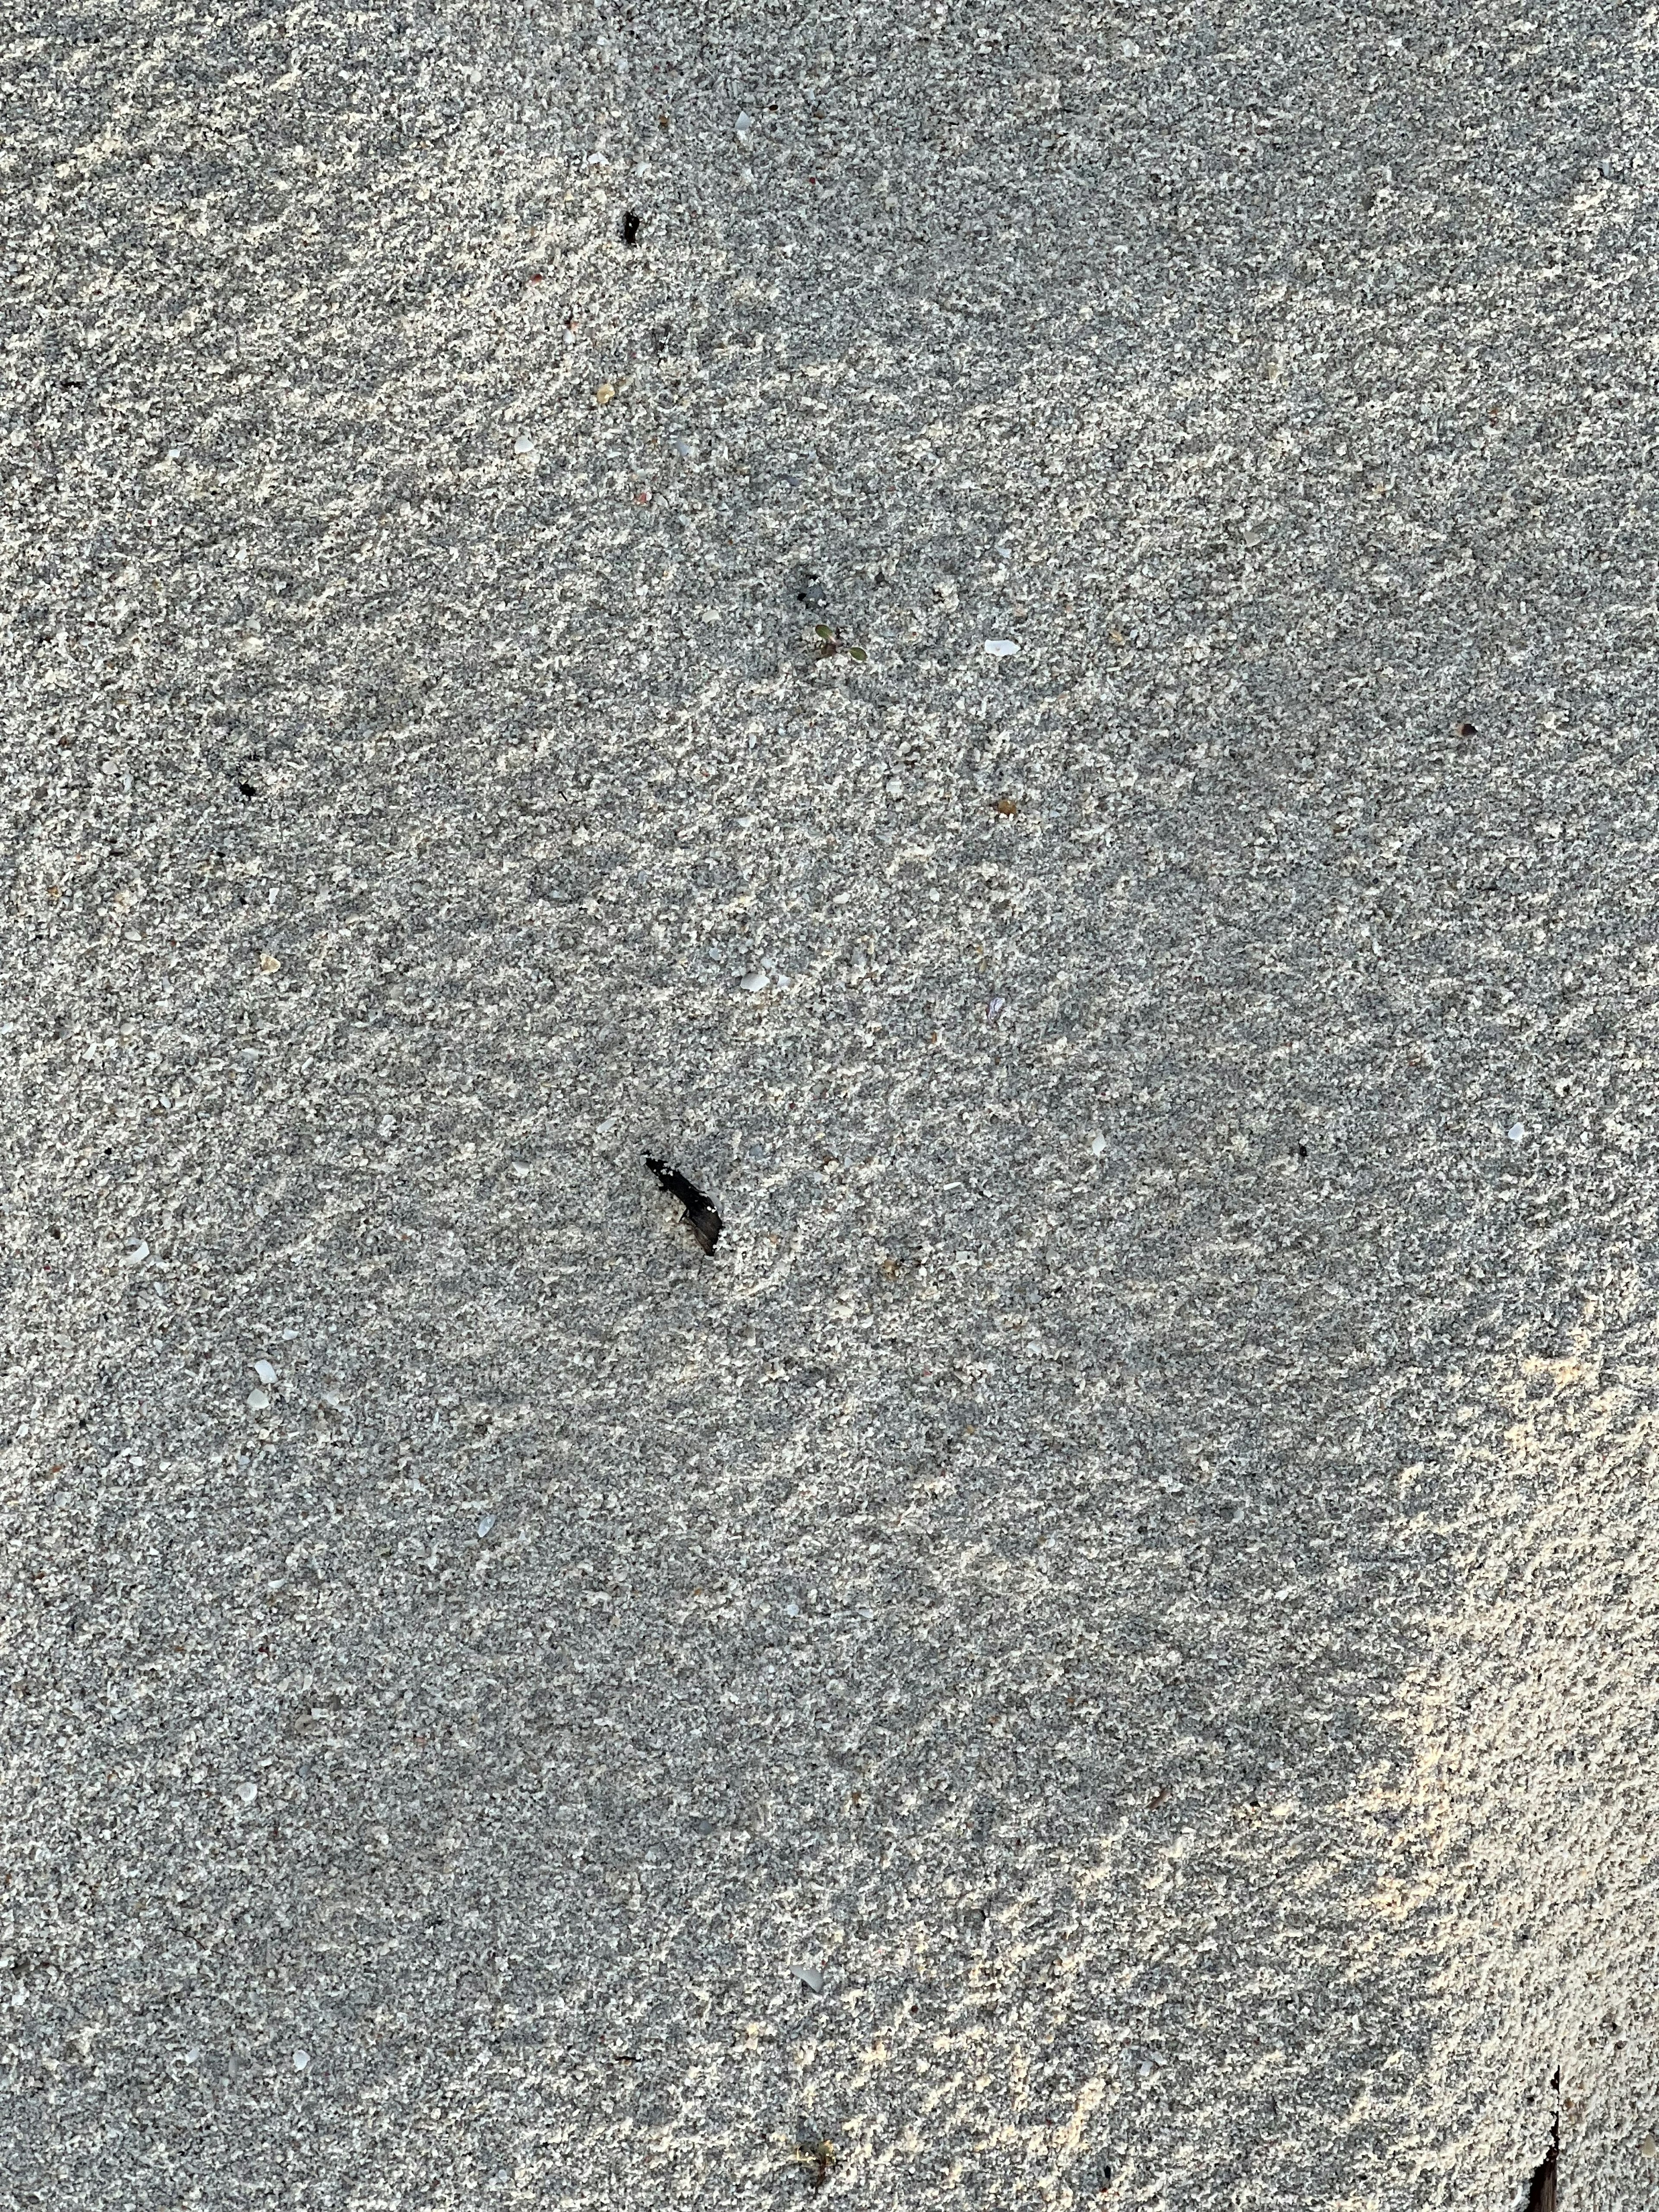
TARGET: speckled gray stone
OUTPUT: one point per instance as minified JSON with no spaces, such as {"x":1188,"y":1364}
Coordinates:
{"x":1133,"y":1567}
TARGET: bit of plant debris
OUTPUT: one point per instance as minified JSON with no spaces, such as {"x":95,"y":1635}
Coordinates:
{"x":701,"y":1218}
{"x":819,"y":2158}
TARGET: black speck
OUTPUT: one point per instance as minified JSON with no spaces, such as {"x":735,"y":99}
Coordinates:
{"x":630,"y":227}
{"x":1302,"y":1152}
{"x":248,"y":790}
{"x":701,"y":1218}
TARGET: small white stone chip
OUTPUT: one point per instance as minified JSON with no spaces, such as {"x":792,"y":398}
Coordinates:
{"x":1002,"y":646}
{"x":258,"y":1401}
{"x":811,"y":1979}
{"x":247,"y":1791}
{"x":1518,"y":1133}
{"x":755,"y":981}
{"x":301,"y":2060}
{"x":265,"y":1370}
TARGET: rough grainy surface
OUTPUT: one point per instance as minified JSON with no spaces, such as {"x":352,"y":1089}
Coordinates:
{"x":1102,"y":1651}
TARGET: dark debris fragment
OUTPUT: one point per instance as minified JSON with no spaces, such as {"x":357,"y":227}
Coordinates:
{"x":1540,"y":2196}
{"x":701,"y":1218}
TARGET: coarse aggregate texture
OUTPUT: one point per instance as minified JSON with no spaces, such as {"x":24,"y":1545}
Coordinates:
{"x":1101,"y":1651}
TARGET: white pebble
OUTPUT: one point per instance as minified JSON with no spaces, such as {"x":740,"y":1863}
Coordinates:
{"x":1518,"y":1132}
{"x":812,"y":1978}
{"x":993,"y":1012}
{"x":486,"y":1524}
{"x":745,"y":124}
{"x":1002,"y":646}
{"x":523,"y":443}
{"x":247,"y":1791}
{"x":1098,"y":1147}
{"x":301,"y":2060}
{"x":894,"y":787}
{"x":756,"y":981}
{"x":140,"y":1251}
{"x":265,"y":1370}
{"x":258,"y":1401}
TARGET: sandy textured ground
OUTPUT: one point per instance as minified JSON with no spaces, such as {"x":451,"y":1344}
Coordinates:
{"x":1102,"y":1651}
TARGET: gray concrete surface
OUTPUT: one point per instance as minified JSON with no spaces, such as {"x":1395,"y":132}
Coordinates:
{"x":1100,"y":1652}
